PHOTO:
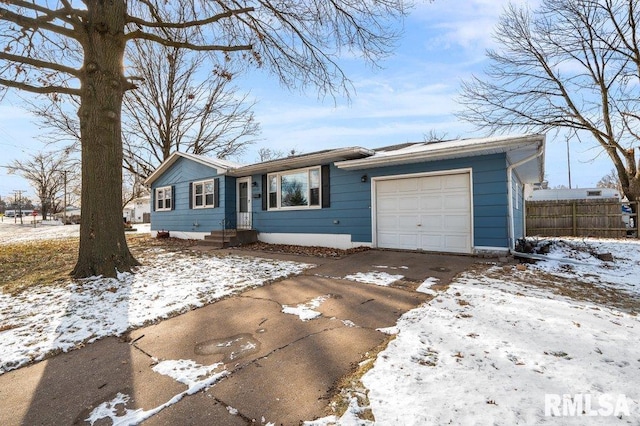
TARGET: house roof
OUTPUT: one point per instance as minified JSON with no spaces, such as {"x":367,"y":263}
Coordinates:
{"x":526,"y":152}
{"x":303,"y":160}
{"x":221,"y":166}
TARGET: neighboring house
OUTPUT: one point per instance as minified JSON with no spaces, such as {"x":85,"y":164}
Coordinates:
{"x":600,"y":212}
{"x":573,"y":194}
{"x":462,"y":196}
{"x":72,"y":215}
{"x":138,"y":210}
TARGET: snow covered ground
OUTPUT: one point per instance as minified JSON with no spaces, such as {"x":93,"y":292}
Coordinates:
{"x":556,"y":342}
{"x":495,"y":349}
{"x":11,"y":231}
{"x":44,"y":319}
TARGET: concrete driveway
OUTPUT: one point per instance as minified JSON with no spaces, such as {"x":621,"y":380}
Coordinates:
{"x":280,"y":368}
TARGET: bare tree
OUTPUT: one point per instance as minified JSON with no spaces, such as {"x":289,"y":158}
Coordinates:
{"x":610,"y":180}
{"x":47,"y":174}
{"x":77,"y":48}
{"x":572,"y":64}
{"x":132,"y":188}
{"x":178,"y":109}
{"x":435,"y":136}
{"x":268,"y":154}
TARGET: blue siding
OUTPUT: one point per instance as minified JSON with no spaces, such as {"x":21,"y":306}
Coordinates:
{"x":350,"y":211}
{"x":182,"y":218}
{"x":517,"y":195}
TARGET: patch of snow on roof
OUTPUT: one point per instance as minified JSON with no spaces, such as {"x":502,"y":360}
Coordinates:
{"x":420,"y":147}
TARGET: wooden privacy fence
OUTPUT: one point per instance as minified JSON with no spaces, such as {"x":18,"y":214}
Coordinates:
{"x":580,"y":218}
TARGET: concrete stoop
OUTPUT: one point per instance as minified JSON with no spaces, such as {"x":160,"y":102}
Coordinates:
{"x":230,"y":238}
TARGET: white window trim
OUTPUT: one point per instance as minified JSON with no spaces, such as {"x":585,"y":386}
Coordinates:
{"x":204,"y":194}
{"x":164,"y":208}
{"x":279,"y":189}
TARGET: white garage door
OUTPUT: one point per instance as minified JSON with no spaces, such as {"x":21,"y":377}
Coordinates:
{"x":424,"y":213}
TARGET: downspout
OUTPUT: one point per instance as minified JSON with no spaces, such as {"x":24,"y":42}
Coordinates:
{"x":510,"y":192}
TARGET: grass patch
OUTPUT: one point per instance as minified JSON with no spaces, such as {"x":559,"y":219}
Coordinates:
{"x":29,"y":263}
{"x":49,"y":262}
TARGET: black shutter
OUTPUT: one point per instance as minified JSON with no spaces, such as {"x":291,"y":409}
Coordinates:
{"x":190,"y":195}
{"x":265,"y":192}
{"x":153,"y":199}
{"x":326,"y":192}
{"x":173,"y":197}
{"x":216,"y":192}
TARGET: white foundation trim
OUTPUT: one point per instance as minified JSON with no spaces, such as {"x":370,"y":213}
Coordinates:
{"x":183,"y":235}
{"x":338,"y":241}
{"x":487,"y":250}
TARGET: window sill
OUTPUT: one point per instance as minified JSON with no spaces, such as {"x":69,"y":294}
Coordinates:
{"x":294,"y":208}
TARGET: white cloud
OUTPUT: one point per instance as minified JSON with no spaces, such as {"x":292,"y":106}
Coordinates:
{"x":467,"y":24}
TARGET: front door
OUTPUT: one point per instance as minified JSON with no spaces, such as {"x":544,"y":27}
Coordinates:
{"x":243,"y":204}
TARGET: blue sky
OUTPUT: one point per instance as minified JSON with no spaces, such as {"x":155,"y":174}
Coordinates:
{"x":414,"y":93}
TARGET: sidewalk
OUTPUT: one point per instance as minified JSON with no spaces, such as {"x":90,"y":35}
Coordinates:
{"x":277,"y":367}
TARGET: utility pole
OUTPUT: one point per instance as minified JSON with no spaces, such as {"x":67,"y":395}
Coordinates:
{"x":18,"y":202}
{"x":569,"y":162}
{"x":64,"y":203}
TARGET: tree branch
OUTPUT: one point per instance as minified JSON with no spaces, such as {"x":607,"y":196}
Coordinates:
{"x":184,"y":45}
{"x":39,"y":89}
{"x":32,"y":23}
{"x":189,"y":24}
{"x":61,"y":14}
{"x":39,"y":63}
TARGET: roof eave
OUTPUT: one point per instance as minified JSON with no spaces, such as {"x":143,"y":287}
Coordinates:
{"x":415,"y":157}
{"x":531,"y":169}
{"x":220,"y":170}
{"x":289,"y":163}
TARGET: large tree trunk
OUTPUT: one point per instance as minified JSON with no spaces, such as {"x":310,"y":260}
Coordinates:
{"x":103,"y":246}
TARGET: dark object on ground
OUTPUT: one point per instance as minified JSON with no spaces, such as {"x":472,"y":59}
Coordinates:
{"x":607,"y":257}
{"x":162,"y":234}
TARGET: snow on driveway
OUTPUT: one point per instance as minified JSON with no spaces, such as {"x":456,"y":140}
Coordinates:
{"x":499,"y":346}
{"x":43,"y":319}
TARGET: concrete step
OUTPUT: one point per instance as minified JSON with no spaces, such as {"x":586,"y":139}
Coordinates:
{"x":230,"y":238}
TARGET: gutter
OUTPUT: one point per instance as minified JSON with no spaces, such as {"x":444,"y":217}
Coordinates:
{"x":435,"y":153}
{"x":303,"y":160}
{"x":510,"y":192}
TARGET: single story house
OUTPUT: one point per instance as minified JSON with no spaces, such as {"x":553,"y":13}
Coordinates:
{"x":138,"y":210}
{"x":460,"y":196}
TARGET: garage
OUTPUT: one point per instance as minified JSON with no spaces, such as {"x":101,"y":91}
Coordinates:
{"x":429,"y":212}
